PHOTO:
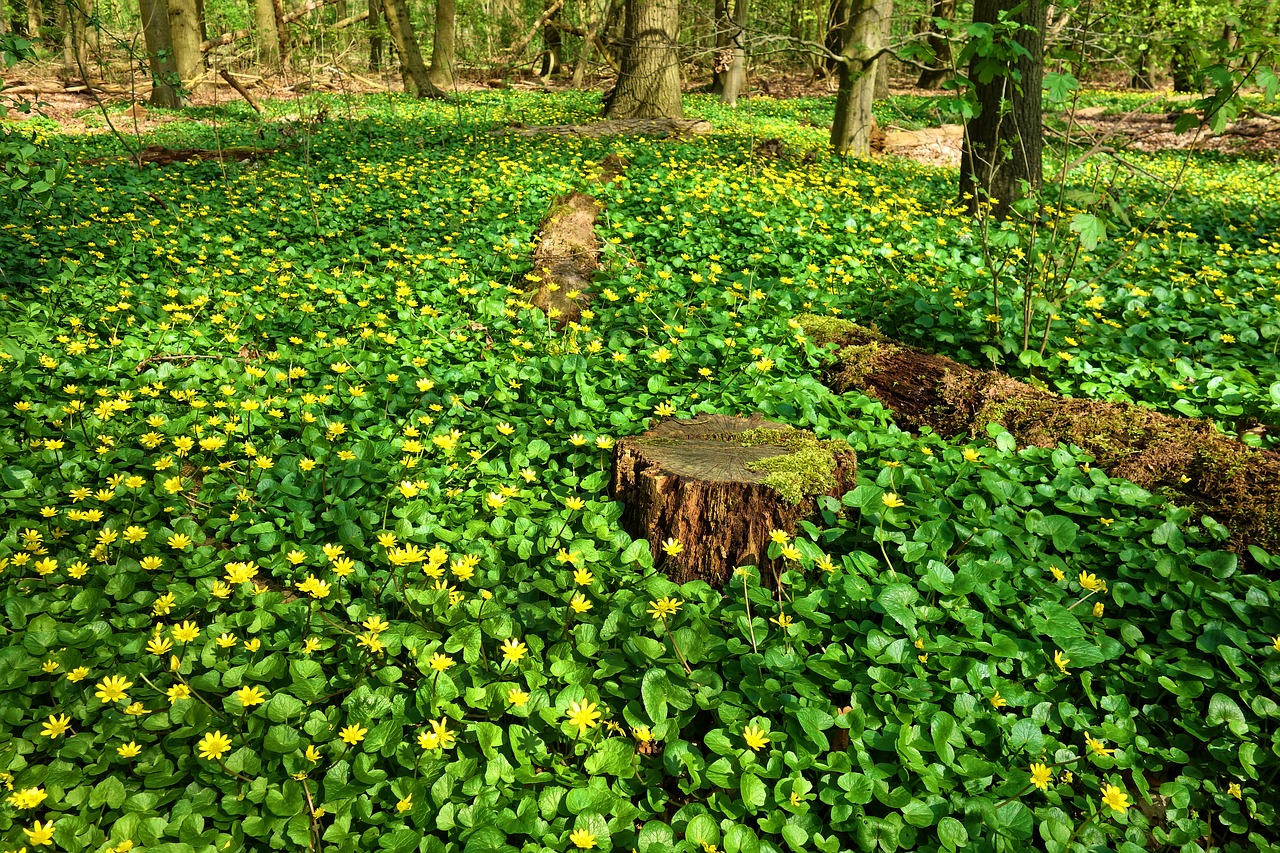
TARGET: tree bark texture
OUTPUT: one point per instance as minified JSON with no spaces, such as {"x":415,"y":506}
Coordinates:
{"x":72,"y":18}
{"x":267,"y":39}
{"x":552,"y":44}
{"x":1188,"y":460}
{"x":442,"y":49}
{"x":1004,"y":142}
{"x":566,"y":258}
{"x":940,"y":70}
{"x":730,"y":59}
{"x":164,"y":73}
{"x":184,"y":30}
{"x":702,"y":482}
{"x":649,"y":85}
{"x":375,"y":35}
{"x":417,"y":80}
{"x":833,"y":38}
{"x":865,"y":29}
{"x":35,"y":18}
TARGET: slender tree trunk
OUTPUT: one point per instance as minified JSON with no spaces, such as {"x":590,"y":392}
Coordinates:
{"x":940,"y":70}
{"x":1141,"y":78}
{"x":282,"y":31}
{"x":417,"y":80}
{"x":730,"y":67}
{"x":442,"y":53}
{"x":833,"y":39}
{"x":649,"y":85}
{"x":266,"y":37}
{"x":1003,"y":143}
{"x":1182,"y":66}
{"x":35,"y":18}
{"x":882,"y":74}
{"x":552,"y":44}
{"x":184,"y":30}
{"x":4,"y":19}
{"x":75,"y":45}
{"x":164,"y":73}
{"x":865,"y":30}
{"x":375,"y":35}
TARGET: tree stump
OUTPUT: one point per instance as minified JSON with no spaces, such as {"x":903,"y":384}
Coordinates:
{"x":719,"y":485}
{"x":566,"y":258}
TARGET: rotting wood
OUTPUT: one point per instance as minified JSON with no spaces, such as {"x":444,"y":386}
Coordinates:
{"x":720,"y":485}
{"x":1188,"y":461}
{"x":241,"y":90}
{"x":162,"y":156}
{"x":566,"y":258}
{"x":660,"y":127}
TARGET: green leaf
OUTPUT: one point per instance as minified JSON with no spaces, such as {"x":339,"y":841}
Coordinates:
{"x":1090,"y":229}
{"x":952,"y":833}
{"x":754,"y":792}
{"x":703,"y":829}
{"x":616,"y":757}
{"x":1223,"y":709}
{"x":1059,"y":86}
{"x":896,"y":600}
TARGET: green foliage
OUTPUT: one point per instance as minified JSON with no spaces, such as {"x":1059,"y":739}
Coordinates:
{"x":290,"y":431}
{"x":24,"y":179}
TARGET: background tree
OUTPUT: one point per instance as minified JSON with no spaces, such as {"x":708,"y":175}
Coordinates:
{"x":1004,"y":140}
{"x":443,"y":56}
{"x":730,"y":58}
{"x":864,"y":28}
{"x":164,"y":73}
{"x":649,"y":84}
{"x":413,"y":69}
{"x":185,"y":36}
{"x":939,"y":70}
{"x":266,"y":37}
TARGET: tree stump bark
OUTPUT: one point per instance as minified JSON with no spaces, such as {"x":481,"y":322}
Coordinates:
{"x":1187,"y":460}
{"x":719,"y":485}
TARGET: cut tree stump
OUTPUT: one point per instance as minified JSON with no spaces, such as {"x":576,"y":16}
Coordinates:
{"x":719,"y":485}
{"x":566,"y":258}
{"x":1188,"y":461}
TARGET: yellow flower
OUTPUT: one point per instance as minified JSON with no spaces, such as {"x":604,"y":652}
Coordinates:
{"x":1061,"y":660}
{"x":513,"y":650}
{"x":998,"y":701}
{"x":517,"y":697}
{"x":1096,"y":746}
{"x":1115,"y":797}
{"x":1058,"y":574}
{"x":112,"y":688}
{"x":178,"y":541}
{"x":250,"y":696}
{"x":579,"y":603}
{"x":755,"y":737}
{"x":1091,"y":583}
{"x":1275,"y":643}
{"x":583,"y":715}
{"x":353,"y":733}
{"x":1098,"y":607}
{"x":1040,"y":776}
{"x":213,"y":745}
{"x":128,"y":750}
{"x":39,"y":835}
{"x":428,"y":740}
{"x":582,"y":839}
{"x":312,"y":754}
{"x":158,"y":645}
{"x":583,"y":577}
{"x":441,"y":662}
{"x":664,"y":607}
{"x":672,"y":547}
{"x":1234,"y":790}
{"x":186,"y":632}
{"x":405,"y":804}
{"x":178,"y":692}
{"x":575,"y":504}
{"x":891,"y":500}
{"x":56,"y":726}
{"x":971,"y":455}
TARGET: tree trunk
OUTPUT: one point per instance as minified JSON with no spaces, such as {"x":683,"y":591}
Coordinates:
{"x":1183,"y":67}
{"x":882,"y":77}
{"x":730,"y":67}
{"x":418,"y":81}
{"x":940,"y":70}
{"x":442,"y":53}
{"x":282,"y":30}
{"x":72,"y":19}
{"x":35,"y":18}
{"x":164,"y":73}
{"x":267,"y":39}
{"x":649,"y":85}
{"x":719,"y":486}
{"x":1141,"y":78}
{"x":4,"y":20}
{"x":833,"y":40}
{"x":184,"y":30}
{"x":1189,"y":460}
{"x":375,"y":35}
{"x":552,"y":45}
{"x":864,"y":27}
{"x":1003,"y":143}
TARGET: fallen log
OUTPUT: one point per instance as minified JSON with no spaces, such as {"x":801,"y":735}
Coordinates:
{"x":566,"y":258}
{"x":719,"y":486}
{"x":659,"y":127}
{"x":1189,"y":461}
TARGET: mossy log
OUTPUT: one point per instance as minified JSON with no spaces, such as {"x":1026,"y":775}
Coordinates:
{"x":1188,"y":461}
{"x":719,"y":485}
{"x":659,"y":127}
{"x":566,"y":258}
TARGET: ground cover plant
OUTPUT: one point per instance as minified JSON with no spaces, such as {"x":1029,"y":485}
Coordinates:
{"x":306,"y":543}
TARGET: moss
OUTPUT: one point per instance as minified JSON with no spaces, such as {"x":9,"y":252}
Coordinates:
{"x":805,"y":470}
{"x":831,"y":329}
